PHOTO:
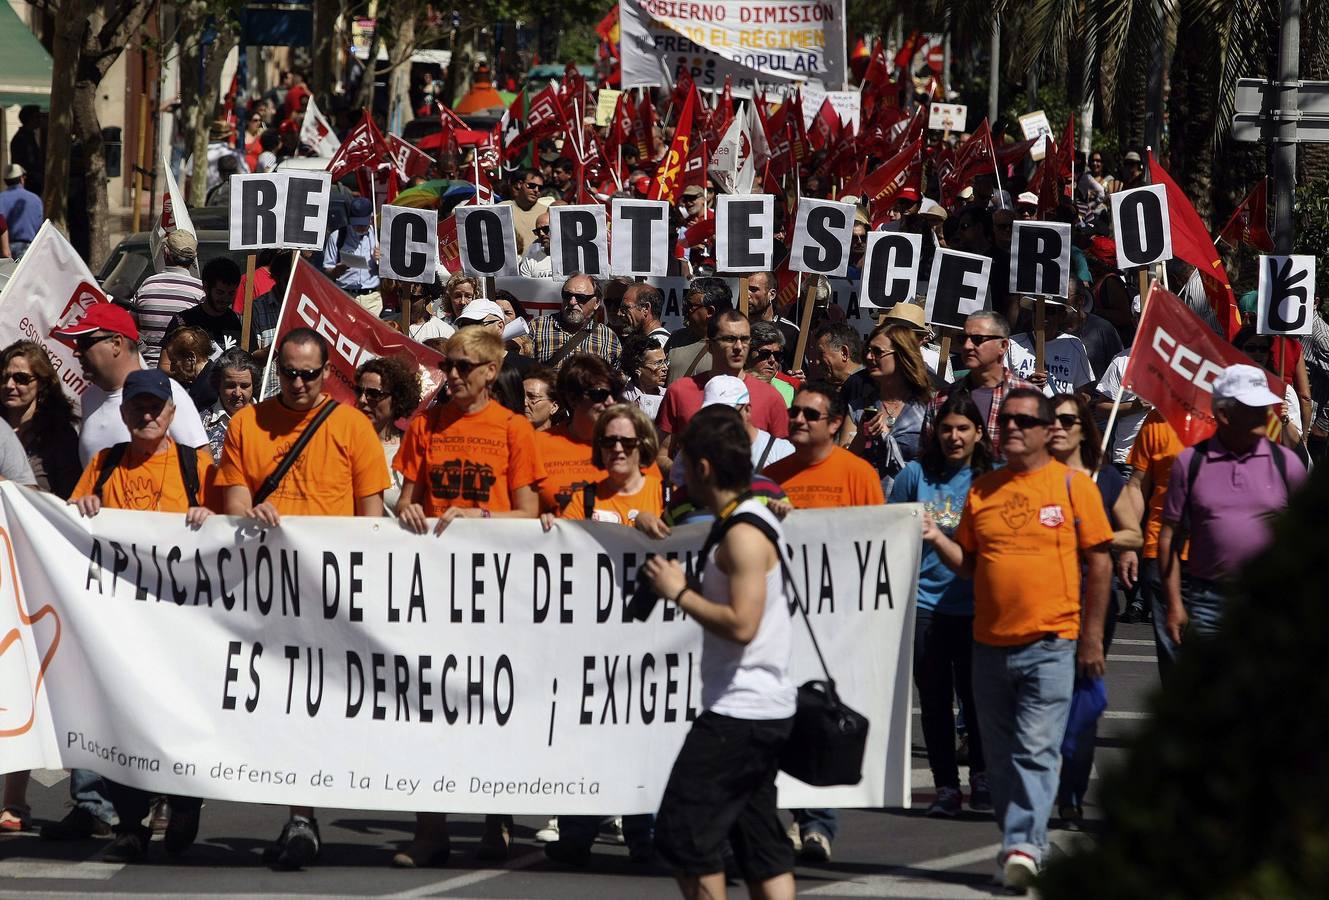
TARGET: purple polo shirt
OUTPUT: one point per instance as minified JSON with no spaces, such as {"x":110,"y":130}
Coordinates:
{"x":1231,"y":502}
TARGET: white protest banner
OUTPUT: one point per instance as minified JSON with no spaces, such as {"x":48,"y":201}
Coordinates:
{"x":50,"y":289}
{"x":280,"y":209}
{"x":1040,"y":258}
{"x":348,"y":663}
{"x":890,"y":268}
{"x":766,"y":40}
{"x":1036,"y":125}
{"x":822,"y":231}
{"x":641,"y":237}
{"x":1143,"y":226}
{"x":174,"y":216}
{"x":847,"y":105}
{"x":744,"y":232}
{"x":578,"y":240}
{"x":1285,"y":301}
{"x":487,"y":240}
{"x":408,"y":240}
{"x":947,"y":116}
{"x":957,"y":288}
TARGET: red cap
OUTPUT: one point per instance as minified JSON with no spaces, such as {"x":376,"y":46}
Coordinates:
{"x":642,"y":183}
{"x":288,"y":125}
{"x":907,"y":194}
{"x":1103,"y":249}
{"x":101,"y":317}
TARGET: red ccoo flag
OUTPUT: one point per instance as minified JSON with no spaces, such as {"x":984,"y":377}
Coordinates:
{"x":1249,"y":224}
{"x":974,"y":157}
{"x":892,"y":176}
{"x":363,"y":146}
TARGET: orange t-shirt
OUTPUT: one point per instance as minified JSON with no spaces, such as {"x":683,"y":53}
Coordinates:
{"x":1156,"y":449}
{"x":841,"y":479}
{"x":568,"y":468}
{"x":342,"y":463}
{"x":152,"y":485}
{"x":475,"y":461}
{"x":619,"y":508}
{"x":1027,"y":577}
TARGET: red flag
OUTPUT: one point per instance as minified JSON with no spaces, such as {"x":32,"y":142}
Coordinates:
{"x":841,"y":160}
{"x":1191,"y":243}
{"x":974,"y":157}
{"x":907,"y":51}
{"x":511,"y":126}
{"x":545,"y":116}
{"x":449,"y":253}
{"x":777,"y":138}
{"x":826,"y":127}
{"x":643,"y":129}
{"x":1009,"y":155}
{"x":608,"y":28}
{"x":619,"y":133}
{"x":573,"y":87}
{"x":1249,"y":224}
{"x":1174,"y":361}
{"x":318,"y":303}
{"x":684,"y":87}
{"x":889,"y":178}
{"x":363,"y":146}
{"x":408,"y":159}
{"x":667,"y":184}
{"x":858,"y":59}
{"x":718,"y":121}
{"x":699,"y":232}
{"x":798,"y":135}
{"x":877,"y":87}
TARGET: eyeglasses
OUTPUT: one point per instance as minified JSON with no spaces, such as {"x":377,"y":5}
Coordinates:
{"x":86,"y":342}
{"x":734,"y":338}
{"x":373,"y":395}
{"x":690,"y":308}
{"x":597,"y":395}
{"x":1067,"y":420}
{"x":979,"y":340}
{"x":610,"y":441}
{"x":807,"y":412}
{"x":764,"y":355}
{"x":872,"y":351}
{"x":1021,"y":421}
{"x":464,"y":367}
{"x":658,"y":364}
{"x":305,"y":375}
{"x":22,"y":379}
{"x":569,"y":296}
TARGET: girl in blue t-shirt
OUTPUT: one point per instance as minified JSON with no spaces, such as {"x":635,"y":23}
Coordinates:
{"x":957,"y":451}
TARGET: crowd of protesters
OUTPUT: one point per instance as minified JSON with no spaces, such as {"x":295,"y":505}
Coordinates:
{"x":1036,"y":540}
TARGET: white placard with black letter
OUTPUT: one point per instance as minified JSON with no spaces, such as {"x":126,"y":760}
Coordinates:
{"x":279,"y":209}
{"x":822,"y":231}
{"x":1143,"y":226}
{"x":1286,"y":297}
{"x":958,"y":287}
{"x":1040,"y":259}
{"x":487,"y":240}
{"x":640,"y":244}
{"x":408,"y":244}
{"x":578,"y":240}
{"x":890,"y":268}
{"x":744,"y":232}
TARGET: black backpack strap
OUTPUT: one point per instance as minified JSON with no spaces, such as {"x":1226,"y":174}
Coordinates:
{"x":1183,"y":529}
{"x":588,"y":499}
{"x":189,"y":472}
{"x":765,"y":452}
{"x":114,"y":456}
{"x":270,"y":483}
{"x":1280,"y":463}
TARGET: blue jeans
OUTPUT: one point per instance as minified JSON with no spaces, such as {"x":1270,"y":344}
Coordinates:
{"x":1023,"y":697}
{"x":580,"y":831}
{"x":1151,"y":592}
{"x":1204,"y":601}
{"x":88,"y":790}
{"x":824,"y":821}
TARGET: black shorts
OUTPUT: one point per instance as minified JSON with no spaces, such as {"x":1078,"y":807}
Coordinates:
{"x":723,"y":786}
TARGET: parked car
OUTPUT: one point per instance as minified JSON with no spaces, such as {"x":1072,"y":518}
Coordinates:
{"x":130,"y":263}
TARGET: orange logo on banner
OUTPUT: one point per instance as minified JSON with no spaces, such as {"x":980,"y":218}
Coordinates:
{"x":13,"y":638}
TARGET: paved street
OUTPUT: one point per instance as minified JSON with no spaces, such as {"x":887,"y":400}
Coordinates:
{"x":880,"y":853}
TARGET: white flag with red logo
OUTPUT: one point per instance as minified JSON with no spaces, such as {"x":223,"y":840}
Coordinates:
{"x":316,"y":133}
{"x":50,"y":289}
{"x":174,"y":215}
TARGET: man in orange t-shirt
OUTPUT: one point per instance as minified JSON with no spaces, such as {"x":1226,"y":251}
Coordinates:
{"x":1156,"y":448}
{"x":1025,"y":533}
{"x":340,"y":472}
{"x":587,"y":386}
{"x":148,"y":478}
{"x":818,"y":473}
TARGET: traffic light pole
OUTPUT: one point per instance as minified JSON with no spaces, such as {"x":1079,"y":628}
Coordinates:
{"x":1285,"y":149}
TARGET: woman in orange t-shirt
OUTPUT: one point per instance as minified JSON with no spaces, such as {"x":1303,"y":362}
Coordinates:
{"x":624,"y":436}
{"x":587,"y":386}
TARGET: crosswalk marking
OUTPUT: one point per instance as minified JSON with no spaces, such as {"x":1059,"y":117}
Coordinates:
{"x":42,"y":868}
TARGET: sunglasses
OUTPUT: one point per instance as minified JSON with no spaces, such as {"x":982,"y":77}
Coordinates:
{"x":373,"y":395}
{"x":763,"y":355}
{"x":597,"y":395}
{"x":86,"y":342}
{"x":1021,"y":421}
{"x":979,"y":340}
{"x":464,"y":367}
{"x":808,"y":413}
{"x":533,"y":184}
{"x":543,"y":229}
{"x":1067,"y":420}
{"x":305,"y":375}
{"x":609,"y":442}
{"x":873,"y":352}
{"x":569,"y":296}
{"x":22,"y":379}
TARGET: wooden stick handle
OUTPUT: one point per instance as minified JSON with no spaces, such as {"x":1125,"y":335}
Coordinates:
{"x":247,"y":318}
{"x":805,"y":323}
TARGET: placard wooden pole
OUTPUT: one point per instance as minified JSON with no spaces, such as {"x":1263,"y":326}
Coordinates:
{"x":944,"y":349}
{"x":1143,"y":281}
{"x":805,"y":323}
{"x":404,"y":300}
{"x":247,"y":317}
{"x":1040,"y":312}
{"x":743,"y":295}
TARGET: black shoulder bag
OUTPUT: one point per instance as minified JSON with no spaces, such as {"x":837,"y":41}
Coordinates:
{"x":270,"y":483}
{"x":829,"y":739}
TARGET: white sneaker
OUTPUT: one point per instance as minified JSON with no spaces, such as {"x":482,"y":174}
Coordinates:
{"x":616,"y":831}
{"x":549,"y":833}
{"x":795,"y":836}
{"x":1018,"y":871}
{"x":816,"y":847}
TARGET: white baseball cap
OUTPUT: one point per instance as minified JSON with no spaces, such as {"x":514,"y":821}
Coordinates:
{"x":726,"y":390}
{"x":1248,"y":385}
{"x":478,"y":310}
{"x":1028,"y":198}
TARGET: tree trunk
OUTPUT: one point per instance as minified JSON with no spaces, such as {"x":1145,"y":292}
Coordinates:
{"x":399,"y":79}
{"x":322,"y":73}
{"x":88,"y":132}
{"x":364,"y":96}
{"x":1192,"y":111}
{"x":72,"y":22}
{"x":1313,"y":159}
{"x":203,"y":112}
{"x":462,"y":68}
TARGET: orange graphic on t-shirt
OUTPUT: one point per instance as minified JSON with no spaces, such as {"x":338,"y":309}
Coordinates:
{"x":1016,"y":512}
